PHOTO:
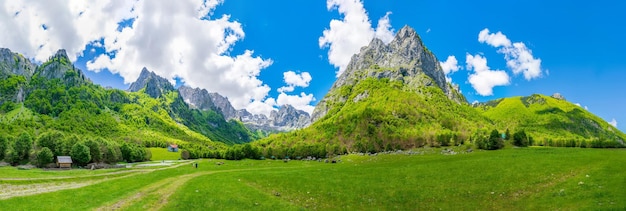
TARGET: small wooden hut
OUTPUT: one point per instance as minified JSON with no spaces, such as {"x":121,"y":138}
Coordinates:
{"x":64,"y":161}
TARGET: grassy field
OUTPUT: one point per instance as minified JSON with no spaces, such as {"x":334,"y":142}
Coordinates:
{"x":510,"y":179}
{"x":163,"y":154}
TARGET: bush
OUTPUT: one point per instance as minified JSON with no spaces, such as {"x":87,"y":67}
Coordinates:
{"x":492,"y":143}
{"x":44,"y":157}
{"x":184,"y":154}
{"x":520,"y":139}
{"x":80,"y":154}
{"x":23,"y":145}
{"x":4,"y":143}
{"x":147,"y":154}
{"x":94,"y":151}
{"x":50,"y":140}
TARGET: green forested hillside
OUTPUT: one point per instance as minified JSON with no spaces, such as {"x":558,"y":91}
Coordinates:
{"x":382,"y":115}
{"x":57,"y":98}
{"x":552,"y":121}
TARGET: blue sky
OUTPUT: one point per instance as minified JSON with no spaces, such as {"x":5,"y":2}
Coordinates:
{"x":245,"y":49}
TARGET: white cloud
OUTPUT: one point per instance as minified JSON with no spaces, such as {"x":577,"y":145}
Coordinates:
{"x":293,"y":79}
{"x":345,"y":37}
{"x":262,"y":107}
{"x":586,"y":108}
{"x":578,"y":104}
{"x":69,"y":24}
{"x":450,"y":66}
{"x":172,"y":38}
{"x":483,"y":79}
{"x":518,"y":57}
{"x":613,"y":122}
{"x":494,"y":39}
{"x":384,"y":31}
{"x":300,"y":102}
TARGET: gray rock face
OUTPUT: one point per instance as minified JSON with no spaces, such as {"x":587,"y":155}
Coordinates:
{"x":289,"y":117}
{"x":15,"y":64}
{"x":59,"y":66}
{"x":223,"y":105}
{"x":404,"y":59}
{"x":155,"y":85}
{"x":196,"y":98}
{"x":558,"y":96}
{"x":286,"y":118}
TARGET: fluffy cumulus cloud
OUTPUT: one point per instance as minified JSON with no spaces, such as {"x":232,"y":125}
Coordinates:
{"x":345,"y":37}
{"x":483,"y":79}
{"x":613,"y":122}
{"x":293,"y":79}
{"x":39,"y":28}
{"x":518,"y":57}
{"x":450,"y":66}
{"x":172,"y":38}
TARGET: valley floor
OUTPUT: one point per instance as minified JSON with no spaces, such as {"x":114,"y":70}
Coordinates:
{"x":511,"y":179}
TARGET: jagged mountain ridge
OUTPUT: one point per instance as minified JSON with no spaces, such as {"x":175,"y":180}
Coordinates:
{"x":404,"y":58}
{"x":57,"y":96}
{"x":284,"y":119}
{"x":395,"y":96}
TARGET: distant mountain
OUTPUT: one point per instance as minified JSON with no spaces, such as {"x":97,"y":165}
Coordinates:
{"x":285,"y":119}
{"x":395,"y":96}
{"x":550,"y":120}
{"x":405,"y":59}
{"x":390,"y":97}
{"x":57,"y":96}
{"x":154,"y":85}
{"x":197,"y":115}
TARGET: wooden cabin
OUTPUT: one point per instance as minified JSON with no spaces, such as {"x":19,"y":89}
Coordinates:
{"x":172,"y":148}
{"x":64,"y":161}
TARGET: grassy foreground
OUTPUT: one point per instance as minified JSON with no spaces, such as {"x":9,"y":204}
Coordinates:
{"x":510,"y":179}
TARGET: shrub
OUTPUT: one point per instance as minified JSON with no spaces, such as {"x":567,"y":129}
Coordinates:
{"x":495,"y":140}
{"x":50,"y":140}
{"x":3,"y":145}
{"x":184,"y":154}
{"x":23,"y":145}
{"x":520,"y":139}
{"x":44,"y":157}
{"x":80,"y":154}
{"x":94,"y":151}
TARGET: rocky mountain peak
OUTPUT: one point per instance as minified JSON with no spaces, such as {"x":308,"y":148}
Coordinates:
{"x":196,"y":98}
{"x":290,"y":117}
{"x":59,"y":66}
{"x":15,"y":64}
{"x":154,"y":84}
{"x":404,"y":59}
{"x":61,"y":53}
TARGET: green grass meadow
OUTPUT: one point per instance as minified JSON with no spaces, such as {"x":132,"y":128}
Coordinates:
{"x":535,"y":178}
{"x":163,"y":154}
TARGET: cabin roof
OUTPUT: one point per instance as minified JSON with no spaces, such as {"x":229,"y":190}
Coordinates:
{"x":64,"y":159}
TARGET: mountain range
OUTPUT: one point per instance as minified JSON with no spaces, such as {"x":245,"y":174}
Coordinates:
{"x":55,"y":95}
{"x":395,"y":96}
{"x":391,"y":96}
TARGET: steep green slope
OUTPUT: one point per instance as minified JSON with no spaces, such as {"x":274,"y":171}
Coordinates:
{"x":380,"y":115}
{"x":552,"y":121}
{"x":56,"y":96}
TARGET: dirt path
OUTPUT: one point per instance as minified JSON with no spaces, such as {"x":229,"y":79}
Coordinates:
{"x":9,"y":191}
{"x":95,"y":175}
{"x":163,"y":190}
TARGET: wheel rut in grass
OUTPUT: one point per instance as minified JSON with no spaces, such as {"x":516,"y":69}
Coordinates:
{"x":8,"y":191}
{"x":162,"y":190}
